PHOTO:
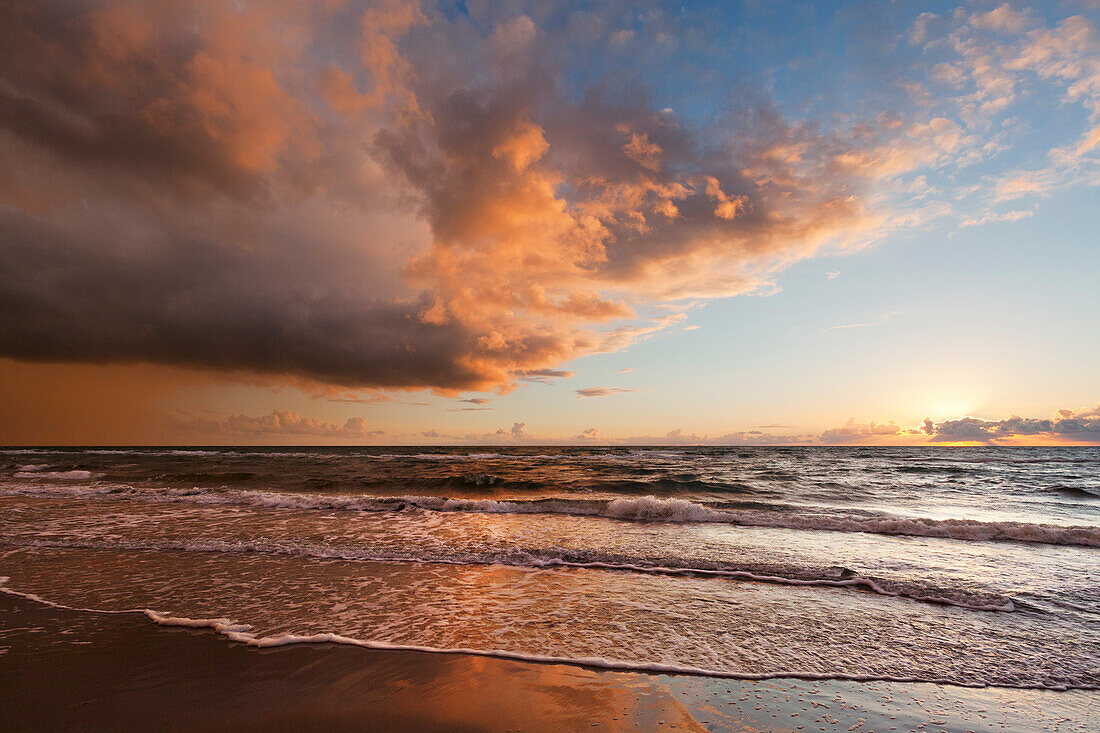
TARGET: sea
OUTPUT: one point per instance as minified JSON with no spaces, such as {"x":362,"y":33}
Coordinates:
{"x":960,"y":566}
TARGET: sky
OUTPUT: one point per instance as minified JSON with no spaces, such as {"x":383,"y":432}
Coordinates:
{"x":400,"y":222}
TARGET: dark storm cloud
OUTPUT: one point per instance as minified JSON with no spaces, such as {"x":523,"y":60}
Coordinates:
{"x":192,"y":303}
{"x":374,"y":194}
{"x":1069,"y":425}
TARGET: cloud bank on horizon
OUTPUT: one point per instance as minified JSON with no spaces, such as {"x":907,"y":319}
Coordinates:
{"x":1067,"y":426}
{"x":460,"y":197}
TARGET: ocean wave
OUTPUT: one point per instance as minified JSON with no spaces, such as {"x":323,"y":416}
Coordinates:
{"x":659,"y":454}
{"x":552,"y":558}
{"x":52,"y":604}
{"x":633,"y":509}
{"x":452,"y":456}
{"x":75,"y":475}
{"x":484,"y":481}
{"x":245,"y":633}
{"x":1077,"y":491}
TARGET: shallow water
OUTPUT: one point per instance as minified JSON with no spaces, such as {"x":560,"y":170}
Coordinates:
{"x":966,"y":566}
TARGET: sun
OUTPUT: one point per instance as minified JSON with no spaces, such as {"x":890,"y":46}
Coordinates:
{"x":950,"y":406}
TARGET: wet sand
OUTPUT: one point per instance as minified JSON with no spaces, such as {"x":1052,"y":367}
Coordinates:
{"x":82,"y":671}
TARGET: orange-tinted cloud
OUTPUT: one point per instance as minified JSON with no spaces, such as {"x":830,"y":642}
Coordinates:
{"x":376,"y":194}
{"x":860,"y":433}
{"x":281,"y":422}
{"x":747,"y":437}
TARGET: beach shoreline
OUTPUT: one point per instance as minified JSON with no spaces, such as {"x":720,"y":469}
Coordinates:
{"x":64,"y":669}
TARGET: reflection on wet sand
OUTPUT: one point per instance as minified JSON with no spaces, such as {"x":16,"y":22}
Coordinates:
{"x":64,"y":670}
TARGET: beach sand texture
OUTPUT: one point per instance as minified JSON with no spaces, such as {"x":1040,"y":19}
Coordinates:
{"x":71,"y":670}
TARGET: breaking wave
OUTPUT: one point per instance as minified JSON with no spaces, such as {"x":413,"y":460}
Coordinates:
{"x":37,"y":472}
{"x":245,"y":633}
{"x":551,"y":558}
{"x":633,"y":509}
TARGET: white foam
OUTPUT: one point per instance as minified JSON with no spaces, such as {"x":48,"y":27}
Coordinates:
{"x":450,"y":456}
{"x":224,"y":626}
{"x":39,"y":599}
{"x":544,"y":559}
{"x":650,"y":508}
{"x":637,"y":509}
{"x":244,"y":634}
{"x":656,"y":453}
{"x":75,"y":475}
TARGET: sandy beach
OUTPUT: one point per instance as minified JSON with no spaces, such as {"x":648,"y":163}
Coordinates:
{"x":69,"y":670}
{"x":460,"y":365}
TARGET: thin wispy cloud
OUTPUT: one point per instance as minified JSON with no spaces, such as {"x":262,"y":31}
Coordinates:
{"x":878,"y":321}
{"x":602,"y":391}
{"x":544,"y":376}
{"x":995,"y":217}
{"x":376,"y":401}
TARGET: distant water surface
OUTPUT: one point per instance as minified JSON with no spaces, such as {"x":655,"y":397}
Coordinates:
{"x":966,"y":566}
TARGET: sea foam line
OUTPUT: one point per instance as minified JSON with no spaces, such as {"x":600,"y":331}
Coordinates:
{"x":243,"y":634}
{"x":74,"y":475}
{"x":532,"y":560}
{"x":46,"y":602}
{"x":634,"y":509}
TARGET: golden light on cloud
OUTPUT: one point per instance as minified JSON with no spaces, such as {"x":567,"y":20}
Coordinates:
{"x":384,"y":195}
{"x":504,"y":353}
